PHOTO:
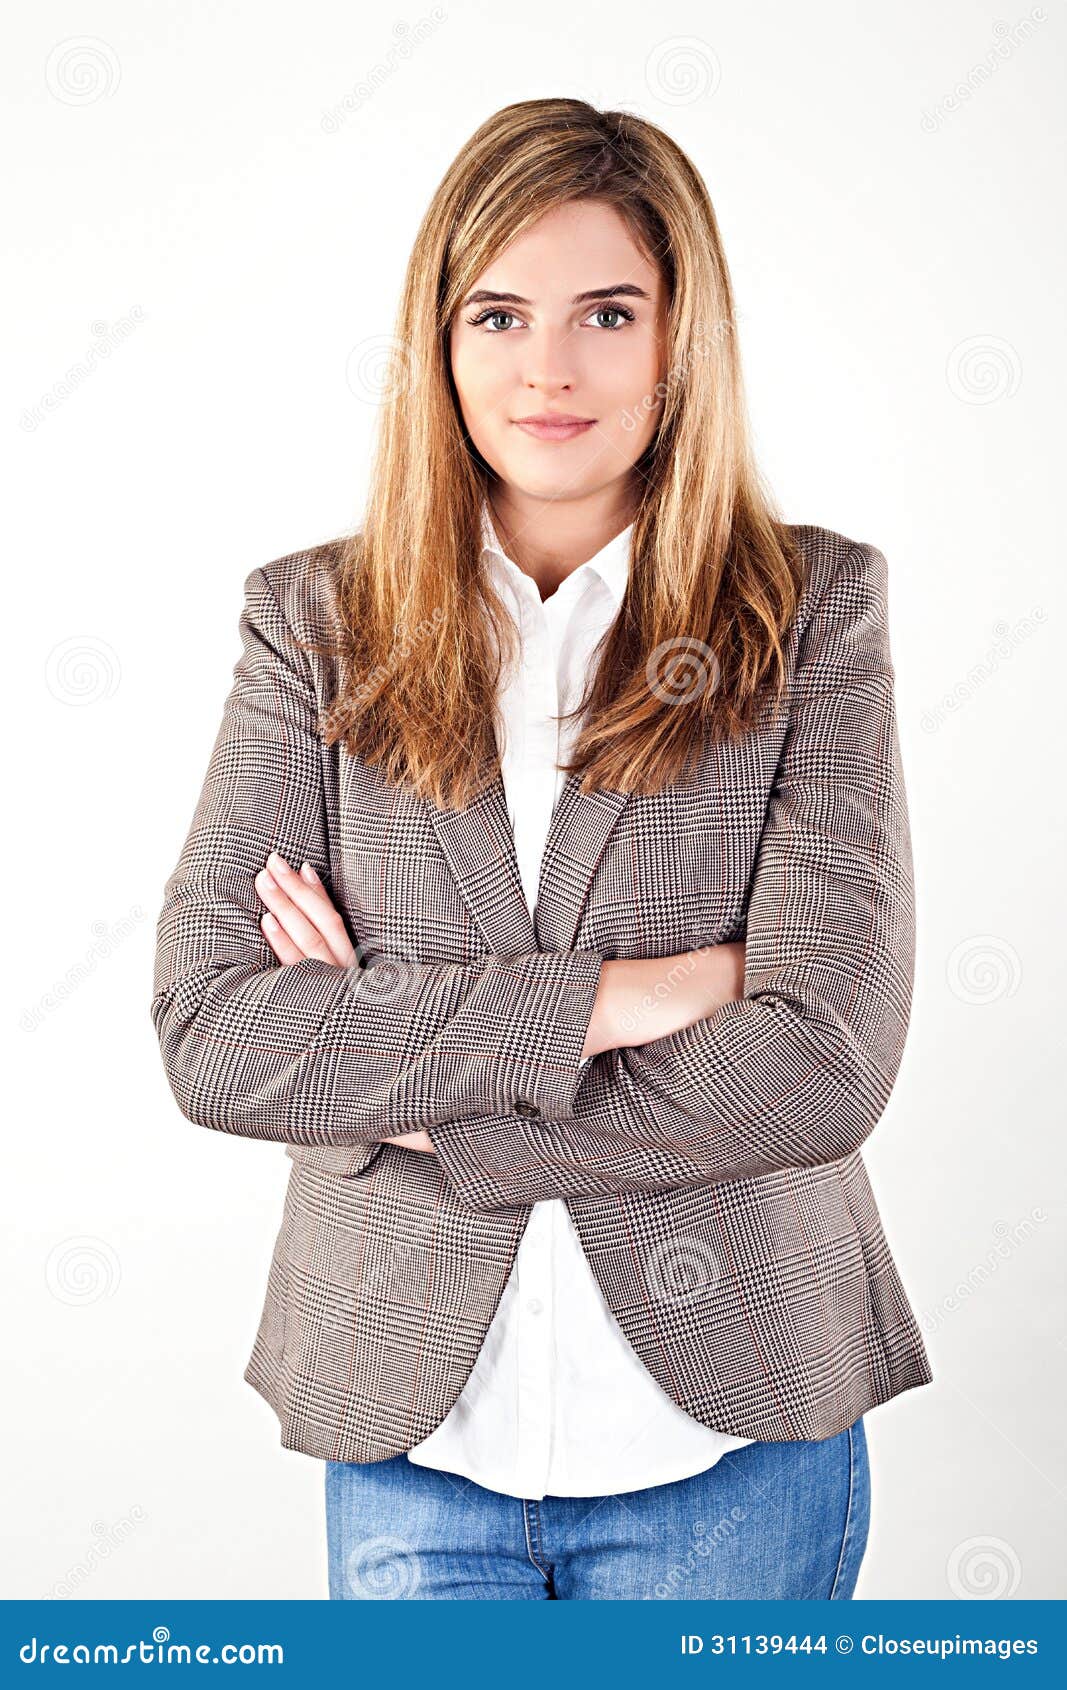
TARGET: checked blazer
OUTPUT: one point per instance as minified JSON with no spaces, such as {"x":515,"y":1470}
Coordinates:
{"x":715,"y":1176}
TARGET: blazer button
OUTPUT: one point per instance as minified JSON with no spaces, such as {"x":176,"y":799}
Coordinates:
{"x":523,"y":1106}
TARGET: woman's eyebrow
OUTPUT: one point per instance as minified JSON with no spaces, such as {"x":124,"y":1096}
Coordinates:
{"x":484,"y":296}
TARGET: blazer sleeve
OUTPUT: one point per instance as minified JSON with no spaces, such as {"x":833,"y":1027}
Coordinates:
{"x":798,"y":1071}
{"x":313,"y":1052}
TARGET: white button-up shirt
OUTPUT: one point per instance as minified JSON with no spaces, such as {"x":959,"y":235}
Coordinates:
{"x":558,"y":1403}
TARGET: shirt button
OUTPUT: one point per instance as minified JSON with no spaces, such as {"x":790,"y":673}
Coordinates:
{"x":523,"y":1106}
{"x":535,"y":1305}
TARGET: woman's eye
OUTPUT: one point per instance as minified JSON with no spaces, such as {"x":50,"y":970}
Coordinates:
{"x":613,"y":311}
{"x":486,"y":316}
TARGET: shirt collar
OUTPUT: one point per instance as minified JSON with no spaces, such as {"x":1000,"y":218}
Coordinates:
{"x":611,"y":563}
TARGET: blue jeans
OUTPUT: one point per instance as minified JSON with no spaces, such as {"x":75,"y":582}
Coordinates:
{"x":770,"y":1520}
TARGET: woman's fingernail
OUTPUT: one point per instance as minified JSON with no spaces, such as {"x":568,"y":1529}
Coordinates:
{"x":279,"y":863}
{"x":309,"y":874}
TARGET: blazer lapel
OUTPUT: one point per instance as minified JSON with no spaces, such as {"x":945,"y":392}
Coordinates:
{"x":577,"y":836}
{"x":480,"y":847}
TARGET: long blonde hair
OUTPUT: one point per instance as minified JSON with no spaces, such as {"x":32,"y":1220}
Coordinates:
{"x":714,"y":577}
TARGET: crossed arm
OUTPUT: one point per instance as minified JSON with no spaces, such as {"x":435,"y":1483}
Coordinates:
{"x":637,"y":1000}
{"x":796,"y":1069}
{"x":793,"y":1071}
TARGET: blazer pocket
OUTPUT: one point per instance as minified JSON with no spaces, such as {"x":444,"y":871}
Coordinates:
{"x":346,"y":1161}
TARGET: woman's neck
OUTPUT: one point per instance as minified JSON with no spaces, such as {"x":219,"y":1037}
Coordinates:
{"x":550,"y":538}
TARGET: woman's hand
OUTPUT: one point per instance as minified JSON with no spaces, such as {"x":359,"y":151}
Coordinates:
{"x":301,"y":921}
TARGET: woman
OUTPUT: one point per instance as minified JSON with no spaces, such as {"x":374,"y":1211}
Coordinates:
{"x":550,"y":897}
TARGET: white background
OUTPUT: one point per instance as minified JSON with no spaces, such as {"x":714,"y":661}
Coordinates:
{"x":192,"y":193}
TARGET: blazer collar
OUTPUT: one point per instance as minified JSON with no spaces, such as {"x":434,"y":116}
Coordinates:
{"x":480,"y":845}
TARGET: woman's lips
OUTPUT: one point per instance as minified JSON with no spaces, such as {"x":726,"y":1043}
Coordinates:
{"x":554,"y":431}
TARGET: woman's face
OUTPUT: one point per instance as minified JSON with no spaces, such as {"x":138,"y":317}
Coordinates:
{"x":569,"y":319}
